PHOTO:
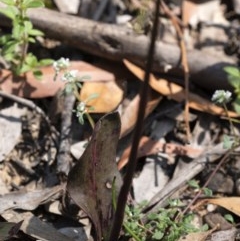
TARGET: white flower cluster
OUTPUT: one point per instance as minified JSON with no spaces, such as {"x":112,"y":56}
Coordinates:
{"x":61,"y":64}
{"x":81,"y":108}
{"x":221,"y":96}
{"x":70,"y":76}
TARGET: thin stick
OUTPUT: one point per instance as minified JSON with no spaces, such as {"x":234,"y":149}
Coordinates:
{"x":184,"y":62}
{"x":208,"y":181}
{"x":31,"y":105}
{"x":122,"y":198}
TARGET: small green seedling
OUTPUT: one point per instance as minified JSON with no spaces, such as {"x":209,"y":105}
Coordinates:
{"x":222,"y":97}
{"x":159,"y":226}
{"x":234,"y":80}
{"x":194,"y":184}
{"x":15,"y":45}
{"x":229,"y":218}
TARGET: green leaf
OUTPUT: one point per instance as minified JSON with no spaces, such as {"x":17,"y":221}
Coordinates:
{"x":8,"y":2}
{"x":158,"y":235}
{"x":236,"y":104}
{"x":233,"y":71}
{"x":236,"y":107}
{"x":233,"y":77}
{"x":33,"y":4}
{"x":193,"y":184}
{"x":9,"y":11}
{"x":45,"y":62}
{"x":31,"y":40}
{"x":27,"y":25}
{"x":25,"y":68}
{"x":17,"y":31}
{"x":9,"y":56}
{"x":207,"y":192}
{"x":235,"y":83}
{"x":204,"y":228}
{"x":152,"y":216}
{"x":227,"y":142}
{"x":38,"y":74}
{"x":5,"y":39}
{"x":35,"y":32}
{"x":229,"y":218}
{"x":9,"y":47}
{"x":31,"y":60}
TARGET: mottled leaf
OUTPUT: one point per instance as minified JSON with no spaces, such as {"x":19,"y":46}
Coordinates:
{"x":90,"y":180}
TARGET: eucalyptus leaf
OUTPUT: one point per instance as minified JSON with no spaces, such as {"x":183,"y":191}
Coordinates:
{"x":90,"y":181}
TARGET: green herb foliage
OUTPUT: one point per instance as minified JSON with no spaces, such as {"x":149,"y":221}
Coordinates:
{"x":15,"y":45}
{"x":159,"y":226}
{"x":234,"y":80}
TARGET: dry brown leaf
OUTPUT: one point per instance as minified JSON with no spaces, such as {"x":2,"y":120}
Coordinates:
{"x":109,"y":93}
{"x":32,"y":88}
{"x":230,"y":203}
{"x":177,"y":93}
{"x":194,"y":12}
{"x":129,"y":117}
{"x":149,"y":147}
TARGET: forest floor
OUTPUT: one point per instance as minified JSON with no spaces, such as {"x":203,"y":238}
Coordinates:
{"x":66,"y":139}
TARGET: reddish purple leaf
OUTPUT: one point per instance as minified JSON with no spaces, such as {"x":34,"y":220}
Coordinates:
{"x":90,"y":180}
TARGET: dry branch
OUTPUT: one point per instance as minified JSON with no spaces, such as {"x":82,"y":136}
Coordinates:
{"x":115,"y":43}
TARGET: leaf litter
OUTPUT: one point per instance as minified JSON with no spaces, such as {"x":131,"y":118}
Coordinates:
{"x":29,"y":178}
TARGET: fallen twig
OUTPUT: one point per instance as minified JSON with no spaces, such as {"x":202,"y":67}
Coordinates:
{"x":114,"y":42}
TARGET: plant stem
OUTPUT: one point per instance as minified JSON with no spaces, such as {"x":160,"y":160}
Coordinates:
{"x":23,"y":39}
{"x":122,"y":198}
{"x":233,"y":132}
{"x":207,"y":182}
{"x":90,"y":119}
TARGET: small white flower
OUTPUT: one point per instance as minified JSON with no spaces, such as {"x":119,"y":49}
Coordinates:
{"x":221,"y":96}
{"x":81,"y":108}
{"x":70,"y":76}
{"x":61,"y":64}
